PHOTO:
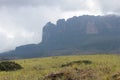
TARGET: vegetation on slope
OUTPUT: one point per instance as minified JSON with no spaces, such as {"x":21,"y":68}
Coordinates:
{"x":101,"y":67}
{"x":9,"y":66}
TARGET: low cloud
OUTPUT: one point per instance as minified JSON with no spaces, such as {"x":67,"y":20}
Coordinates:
{"x":111,"y":6}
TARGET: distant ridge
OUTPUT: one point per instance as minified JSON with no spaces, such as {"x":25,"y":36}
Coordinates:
{"x":84,"y":34}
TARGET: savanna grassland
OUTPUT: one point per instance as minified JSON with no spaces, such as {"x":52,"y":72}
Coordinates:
{"x":76,"y":67}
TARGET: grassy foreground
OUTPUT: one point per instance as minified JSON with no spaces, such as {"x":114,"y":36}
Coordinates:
{"x":103,"y":67}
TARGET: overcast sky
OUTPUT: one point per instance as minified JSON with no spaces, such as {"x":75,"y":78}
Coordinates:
{"x":21,"y":21}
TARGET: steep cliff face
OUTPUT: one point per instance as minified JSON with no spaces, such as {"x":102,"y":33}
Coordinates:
{"x":83,"y":25}
{"x":83,"y":32}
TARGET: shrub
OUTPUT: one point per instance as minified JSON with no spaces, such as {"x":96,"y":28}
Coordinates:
{"x":86,"y":62}
{"x":9,"y":66}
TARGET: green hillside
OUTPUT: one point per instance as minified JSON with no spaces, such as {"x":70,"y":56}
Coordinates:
{"x":76,"y":67}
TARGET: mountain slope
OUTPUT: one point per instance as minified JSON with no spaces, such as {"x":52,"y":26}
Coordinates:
{"x":83,"y":34}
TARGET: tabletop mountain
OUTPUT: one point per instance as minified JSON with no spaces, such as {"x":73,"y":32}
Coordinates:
{"x":84,"y":34}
